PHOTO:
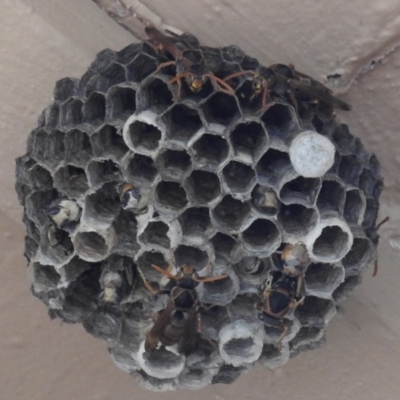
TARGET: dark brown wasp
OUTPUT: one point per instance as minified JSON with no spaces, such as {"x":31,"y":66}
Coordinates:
{"x":188,"y":60}
{"x":303,"y":88}
{"x":278,"y":298}
{"x":178,"y":322}
{"x":263,"y":80}
{"x":283,"y":290}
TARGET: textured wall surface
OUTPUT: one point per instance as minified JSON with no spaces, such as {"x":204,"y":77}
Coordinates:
{"x":42,"y":41}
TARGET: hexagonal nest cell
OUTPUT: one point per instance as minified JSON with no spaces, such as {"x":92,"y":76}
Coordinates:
{"x":152,"y":201}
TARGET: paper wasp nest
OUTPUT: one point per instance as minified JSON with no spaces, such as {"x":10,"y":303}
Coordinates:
{"x":204,"y":163}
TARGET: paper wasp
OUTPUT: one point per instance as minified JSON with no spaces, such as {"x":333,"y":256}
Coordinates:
{"x":283,"y":290}
{"x":188,"y":60}
{"x":178,"y":322}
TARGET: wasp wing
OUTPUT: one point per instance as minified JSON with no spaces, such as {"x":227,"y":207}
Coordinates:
{"x":153,"y":336}
{"x":189,"y":336}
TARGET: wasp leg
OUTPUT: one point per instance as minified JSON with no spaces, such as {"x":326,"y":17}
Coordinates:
{"x":237,"y":74}
{"x":147,"y":284}
{"x":285,"y":330}
{"x":163,"y":65}
{"x":166,"y":273}
{"x":224,"y":87}
{"x":265,"y":103}
{"x":294,"y":304}
{"x":299,"y":286}
{"x":178,"y":79}
{"x":211,"y":278}
{"x":382,"y":222}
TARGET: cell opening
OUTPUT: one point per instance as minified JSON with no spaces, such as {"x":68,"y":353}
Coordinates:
{"x":141,"y":66}
{"x":39,"y":146}
{"x":220,"y":292}
{"x":45,"y":276}
{"x":241,"y":347}
{"x":233,"y":54}
{"x":141,"y":170}
{"x":363,"y":156}
{"x":114,"y":75}
{"x":148,"y":258}
{"x":265,"y":200}
{"x":272,"y":167}
{"x":239,"y":177}
{"x":171,"y":195}
{"x":90,"y":246}
{"x":56,"y":244}
{"x":71,"y":112}
{"x":38,"y":204}
{"x":203,"y":187}
{"x":195,"y":222}
{"x":306,"y":334}
{"x":318,"y":124}
{"x":280,"y":122}
{"x":297,"y":219}
{"x":52,"y":115}
{"x":322,"y":277}
{"x":173,"y":164}
{"x":300,"y":190}
{"x":210,"y":150}
{"x":314,"y":311}
{"x":182,"y":123}
{"x":39,"y":178}
{"x":128,"y":53}
{"x":331,"y":243}
{"x":108,"y":143}
{"x":374,"y":165}
{"x":193,"y":256}
{"x":343,"y":139}
{"x":144,"y":136}
{"x":230,"y":214}
{"x":156,"y":234}
{"x":94,"y":110}
{"x":102,"y":171}
{"x":125,"y":226}
{"x":358,"y":258}
{"x":252,"y":270}
{"x":225,"y":246}
{"x":262,"y":235}
{"x":249,"y":140}
{"x":55,"y":149}
{"x":155,"y":95}
{"x":350,"y":170}
{"x":345,"y":288}
{"x":102,"y":206}
{"x":121,"y":103}
{"x":102,"y":324}
{"x":371,"y":213}
{"x":353,"y":207}
{"x":221,"y":109}
{"x":71,"y":181}
{"x":64,"y":88}
{"x":331,"y":197}
{"x":78,"y":149}
{"x":367,"y":182}
{"x":227,"y":374}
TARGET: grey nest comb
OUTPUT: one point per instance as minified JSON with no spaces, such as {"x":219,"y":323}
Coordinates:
{"x":125,"y":171}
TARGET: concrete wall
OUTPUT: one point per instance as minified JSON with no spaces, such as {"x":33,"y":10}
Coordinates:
{"x":45,"y":40}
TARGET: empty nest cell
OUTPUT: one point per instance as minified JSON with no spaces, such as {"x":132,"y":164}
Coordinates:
{"x":322,"y":279}
{"x":78,"y":150}
{"x":300,"y":190}
{"x":182,"y":123}
{"x":156,"y":234}
{"x":262,"y":236}
{"x":196,"y":223}
{"x":141,"y":66}
{"x":280,"y":122}
{"x":55,"y":149}
{"x":240,"y":178}
{"x":226,"y":247}
{"x":298,"y":220}
{"x":154,"y":95}
{"x":202,"y":187}
{"x":142,"y":136}
{"x":354,"y":206}
{"x":173,"y":164}
{"x":121,"y":102}
{"x":230,"y":214}
{"x":171,"y":195}
{"x":141,"y":170}
{"x":359,"y":257}
{"x":193,"y":256}
{"x":350,"y":170}
{"x":91,"y":246}
{"x":71,"y":112}
{"x":343,"y":139}
{"x":272,"y":166}
{"x":221,"y":109}
{"x":331,"y":197}
{"x":108,"y":143}
{"x":249,"y":141}
{"x":331,"y":243}
{"x":101,"y":171}
{"x":94,"y":110}
{"x":210,"y":151}
{"x":315,"y":312}
{"x":71,"y":181}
